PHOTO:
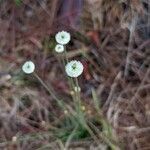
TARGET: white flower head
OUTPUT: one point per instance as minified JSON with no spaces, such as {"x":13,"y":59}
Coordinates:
{"x":63,"y":37}
{"x":28,"y":67}
{"x":59,"y":48}
{"x":74,"y":68}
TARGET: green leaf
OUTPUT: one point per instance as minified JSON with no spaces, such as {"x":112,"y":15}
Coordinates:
{"x":96,"y":101}
{"x":18,"y":2}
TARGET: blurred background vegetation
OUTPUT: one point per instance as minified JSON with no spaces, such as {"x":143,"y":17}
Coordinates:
{"x":112,"y":39}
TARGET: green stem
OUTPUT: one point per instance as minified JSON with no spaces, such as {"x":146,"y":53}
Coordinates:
{"x":78,"y":98}
{"x":49,"y":89}
{"x":70,"y":80}
{"x":65,"y":52}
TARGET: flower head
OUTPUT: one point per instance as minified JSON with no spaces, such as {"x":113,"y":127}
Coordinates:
{"x":74,"y":68}
{"x":28,"y":67}
{"x":62,"y":37}
{"x":59,"y":48}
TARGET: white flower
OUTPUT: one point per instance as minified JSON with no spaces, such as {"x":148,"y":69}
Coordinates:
{"x":59,"y":48}
{"x":28,"y":67}
{"x":74,"y":68}
{"x":62,"y":37}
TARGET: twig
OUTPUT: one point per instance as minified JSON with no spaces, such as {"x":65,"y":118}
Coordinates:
{"x":132,"y":29}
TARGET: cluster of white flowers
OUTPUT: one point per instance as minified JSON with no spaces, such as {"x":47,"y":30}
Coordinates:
{"x":73,"y":68}
{"x":62,"y":38}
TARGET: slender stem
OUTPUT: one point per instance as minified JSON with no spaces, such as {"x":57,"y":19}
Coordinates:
{"x":129,"y":52}
{"x":65,"y":51}
{"x":78,"y":98}
{"x":70,"y":80}
{"x":49,"y":89}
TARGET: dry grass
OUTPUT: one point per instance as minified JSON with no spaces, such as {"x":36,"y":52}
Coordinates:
{"x":112,"y":41}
